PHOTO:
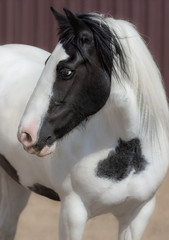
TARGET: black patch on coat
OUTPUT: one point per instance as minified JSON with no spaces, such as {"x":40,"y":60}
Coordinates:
{"x":45,"y":191}
{"x":9,"y":168}
{"x":126,"y":158}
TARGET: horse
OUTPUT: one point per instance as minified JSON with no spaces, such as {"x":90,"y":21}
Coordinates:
{"x":21,"y":66}
{"x":94,"y":132}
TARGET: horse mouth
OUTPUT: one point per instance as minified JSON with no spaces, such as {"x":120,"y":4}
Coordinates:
{"x":46,"y":150}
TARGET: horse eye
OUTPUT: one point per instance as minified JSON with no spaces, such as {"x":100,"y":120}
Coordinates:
{"x":65,"y":73}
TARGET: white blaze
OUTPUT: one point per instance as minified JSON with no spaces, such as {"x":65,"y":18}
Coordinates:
{"x":40,"y":99}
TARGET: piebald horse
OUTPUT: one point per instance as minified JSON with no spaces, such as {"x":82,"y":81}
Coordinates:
{"x":96,"y":125}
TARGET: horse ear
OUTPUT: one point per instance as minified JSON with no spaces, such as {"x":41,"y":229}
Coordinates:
{"x":79,"y":28}
{"x":61,"y":19}
{"x":74,"y":21}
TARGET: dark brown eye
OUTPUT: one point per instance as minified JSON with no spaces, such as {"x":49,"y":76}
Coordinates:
{"x":65,"y":73}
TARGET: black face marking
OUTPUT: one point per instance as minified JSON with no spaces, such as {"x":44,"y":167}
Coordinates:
{"x":83,"y":81}
{"x":9,"y":168}
{"x":44,"y":191}
{"x":126,"y":158}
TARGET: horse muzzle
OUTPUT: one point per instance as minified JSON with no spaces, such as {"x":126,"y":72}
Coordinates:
{"x":30,"y":145}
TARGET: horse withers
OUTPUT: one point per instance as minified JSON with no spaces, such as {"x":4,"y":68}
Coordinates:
{"x":98,"y":118}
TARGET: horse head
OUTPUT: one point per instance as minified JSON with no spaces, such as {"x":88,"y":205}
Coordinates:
{"x":74,"y":84}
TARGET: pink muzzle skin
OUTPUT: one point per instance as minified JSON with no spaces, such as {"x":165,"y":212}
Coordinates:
{"x":27,"y":137}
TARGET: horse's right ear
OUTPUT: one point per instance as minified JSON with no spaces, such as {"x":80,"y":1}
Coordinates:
{"x":61,"y":19}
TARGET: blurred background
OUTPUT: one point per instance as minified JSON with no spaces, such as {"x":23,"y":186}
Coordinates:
{"x":31,"y":22}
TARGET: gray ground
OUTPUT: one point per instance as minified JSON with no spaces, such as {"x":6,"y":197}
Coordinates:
{"x":39,"y":221}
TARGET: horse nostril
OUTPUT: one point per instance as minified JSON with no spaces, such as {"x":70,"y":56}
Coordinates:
{"x":45,"y":141}
{"x":26,"y":139}
{"x":49,"y":140}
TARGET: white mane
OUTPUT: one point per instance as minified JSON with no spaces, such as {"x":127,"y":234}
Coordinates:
{"x":144,"y":78}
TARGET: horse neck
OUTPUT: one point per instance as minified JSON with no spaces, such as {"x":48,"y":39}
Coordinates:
{"x":104,"y":129}
{"x":92,"y":136}
{"x":146,"y":84}
{"x":125,"y":113}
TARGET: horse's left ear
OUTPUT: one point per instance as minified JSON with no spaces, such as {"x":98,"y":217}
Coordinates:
{"x":61,"y":19}
{"x":79,"y":28}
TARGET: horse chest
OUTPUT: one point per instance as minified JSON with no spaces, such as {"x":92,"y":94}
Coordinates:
{"x":127,"y":157}
{"x":105,"y":178}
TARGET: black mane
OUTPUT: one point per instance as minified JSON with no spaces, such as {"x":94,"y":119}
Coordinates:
{"x":108,"y":46}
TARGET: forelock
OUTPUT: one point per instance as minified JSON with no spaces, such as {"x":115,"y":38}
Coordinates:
{"x":107,"y":43}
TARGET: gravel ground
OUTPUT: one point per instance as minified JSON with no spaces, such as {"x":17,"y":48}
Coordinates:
{"x":39,"y":220}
